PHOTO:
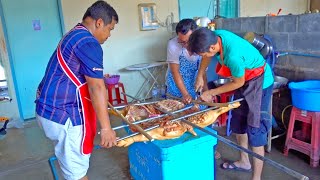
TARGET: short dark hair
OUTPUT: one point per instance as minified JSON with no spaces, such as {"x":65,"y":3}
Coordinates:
{"x":185,"y":25}
{"x":201,"y":40}
{"x":103,"y":10}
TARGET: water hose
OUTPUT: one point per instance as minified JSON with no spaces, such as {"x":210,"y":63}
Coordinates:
{"x":282,"y":115}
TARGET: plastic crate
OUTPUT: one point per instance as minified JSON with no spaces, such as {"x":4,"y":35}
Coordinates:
{"x":188,"y":157}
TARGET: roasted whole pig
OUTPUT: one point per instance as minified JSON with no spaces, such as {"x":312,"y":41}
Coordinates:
{"x":167,"y":128}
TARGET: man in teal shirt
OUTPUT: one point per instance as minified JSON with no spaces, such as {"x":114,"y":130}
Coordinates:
{"x":252,"y":80}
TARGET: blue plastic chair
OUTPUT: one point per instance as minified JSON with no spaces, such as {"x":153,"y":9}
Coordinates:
{"x":53,"y":168}
{"x":229,"y":132}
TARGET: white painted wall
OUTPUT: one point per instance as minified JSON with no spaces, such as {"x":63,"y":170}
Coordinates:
{"x":250,"y":8}
{"x":7,"y":108}
{"x":127,"y":45}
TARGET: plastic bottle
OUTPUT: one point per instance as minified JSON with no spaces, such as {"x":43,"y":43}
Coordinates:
{"x":154,"y":92}
{"x":163,"y":91}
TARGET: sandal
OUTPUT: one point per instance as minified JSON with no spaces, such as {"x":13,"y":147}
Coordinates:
{"x":231,"y":166}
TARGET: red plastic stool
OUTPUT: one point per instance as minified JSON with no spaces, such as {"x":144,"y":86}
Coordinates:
{"x":303,"y":140}
{"x":224,"y":97}
{"x":116,"y":88}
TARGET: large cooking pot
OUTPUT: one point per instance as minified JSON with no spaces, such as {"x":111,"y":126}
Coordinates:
{"x":279,"y":82}
{"x":259,"y":42}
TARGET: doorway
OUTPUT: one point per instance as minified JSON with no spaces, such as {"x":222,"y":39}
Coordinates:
{"x":32,"y":30}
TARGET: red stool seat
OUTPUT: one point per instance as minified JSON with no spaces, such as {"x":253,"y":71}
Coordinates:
{"x":307,"y":138}
{"x":114,"y":89}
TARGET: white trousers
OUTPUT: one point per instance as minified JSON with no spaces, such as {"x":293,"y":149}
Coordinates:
{"x":67,"y":147}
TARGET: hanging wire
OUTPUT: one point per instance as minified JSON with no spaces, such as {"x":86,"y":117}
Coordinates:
{"x":167,"y":23}
{"x":209,"y":8}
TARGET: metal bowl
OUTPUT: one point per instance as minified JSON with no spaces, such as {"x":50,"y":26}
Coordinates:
{"x":220,"y":82}
{"x":279,"y":82}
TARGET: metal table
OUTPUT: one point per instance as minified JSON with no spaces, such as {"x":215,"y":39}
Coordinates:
{"x":150,"y":72}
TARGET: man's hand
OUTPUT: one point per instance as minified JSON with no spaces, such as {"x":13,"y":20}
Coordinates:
{"x":199,"y":84}
{"x":207,"y":96}
{"x":186,"y":98}
{"x":108,"y":138}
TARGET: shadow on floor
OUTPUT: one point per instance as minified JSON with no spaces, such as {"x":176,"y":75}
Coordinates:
{"x":24,"y":154}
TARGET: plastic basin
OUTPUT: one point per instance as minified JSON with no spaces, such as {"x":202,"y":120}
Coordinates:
{"x":114,"y":79}
{"x":306,"y":94}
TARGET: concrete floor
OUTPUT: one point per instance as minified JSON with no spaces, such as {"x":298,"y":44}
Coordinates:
{"x":24,"y":154}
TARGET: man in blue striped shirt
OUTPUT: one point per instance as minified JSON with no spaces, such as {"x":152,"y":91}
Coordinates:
{"x":59,"y":111}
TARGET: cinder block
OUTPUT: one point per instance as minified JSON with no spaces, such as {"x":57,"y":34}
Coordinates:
{"x":295,"y":73}
{"x":282,"y":24}
{"x":280,"y":40}
{"x":240,"y":34}
{"x":219,"y":23}
{"x":308,"y":74}
{"x":282,"y":61}
{"x":304,"y":42}
{"x":309,"y":22}
{"x":303,"y":62}
{"x":233,"y":24}
{"x":285,"y":71}
{"x":254,"y":24}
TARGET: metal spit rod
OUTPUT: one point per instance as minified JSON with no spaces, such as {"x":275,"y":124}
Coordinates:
{"x":156,"y":126}
{"x":173,"y":120}
{"x":134,"y":98}
{"x":202,"y":102}
{"x":152,"y":118}
{"x":129,"y":123}
{"x":141,"y":103}
{"x":267,"y":160}
{"x":234,"y":145}
{"x":227,"y":141}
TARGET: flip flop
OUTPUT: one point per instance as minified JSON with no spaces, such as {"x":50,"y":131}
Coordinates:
{"x":232,"y":167}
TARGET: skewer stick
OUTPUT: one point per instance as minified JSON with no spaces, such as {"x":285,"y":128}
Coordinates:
{"x":206,"y":103}
{"x":173,"y":120}
{"x":141,"y":103}
{"x":130,"y":124}
{"x":152,"y":118}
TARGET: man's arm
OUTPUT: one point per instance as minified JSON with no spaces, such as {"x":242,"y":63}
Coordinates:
{"x":205,"y":80}
{"x":98,"y":95}
{"x":202,"y":70}
{"x":235,"y":84}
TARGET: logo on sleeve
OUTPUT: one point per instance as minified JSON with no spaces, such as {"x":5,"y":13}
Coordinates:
{"x":97,"y":69}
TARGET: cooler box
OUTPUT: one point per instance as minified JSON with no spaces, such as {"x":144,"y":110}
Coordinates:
{"x":188,"y":157}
